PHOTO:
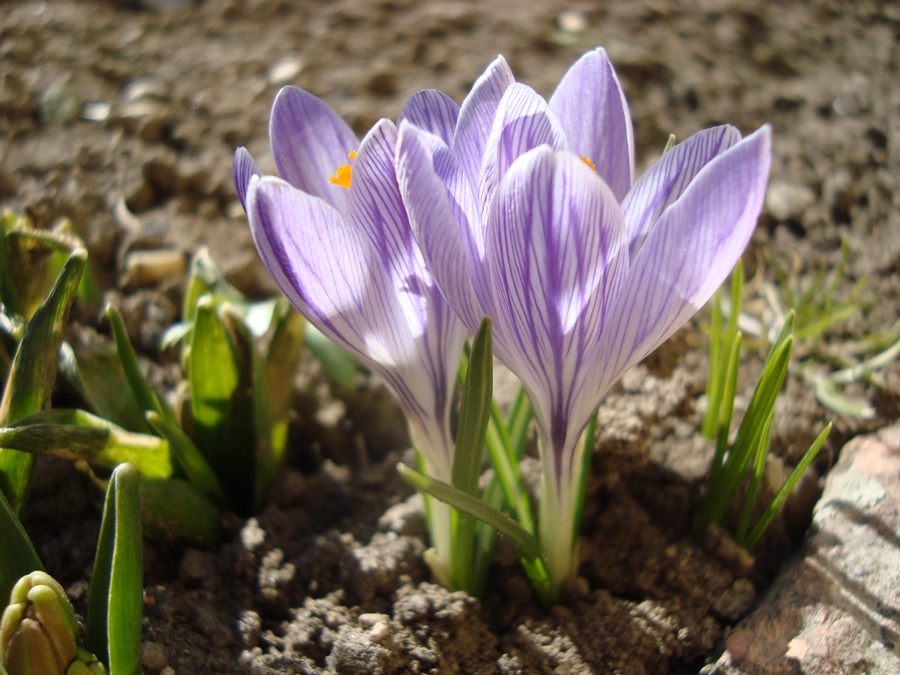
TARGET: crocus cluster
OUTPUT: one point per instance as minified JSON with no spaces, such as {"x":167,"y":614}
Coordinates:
{"x":513,"y":207}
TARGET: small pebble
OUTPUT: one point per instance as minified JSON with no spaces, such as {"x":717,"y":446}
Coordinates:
{"x":95,"y":111}
{"x":252,"y":535}
{"x":194,"y":568}
{"x":785,"y":201}
{"x":153,"y":656}
{"x":284,"y":70}
{"x":370,"y":619}
{"x":147,"y":268}
{"x":734,"y":603}
{"x":379,"y":632}
{"x":249,"y":627}
{"x":572,"y":21}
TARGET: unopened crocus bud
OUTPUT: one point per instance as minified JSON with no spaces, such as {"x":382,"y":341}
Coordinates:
{"x":85,"y":663}
{"x":38,"y":629}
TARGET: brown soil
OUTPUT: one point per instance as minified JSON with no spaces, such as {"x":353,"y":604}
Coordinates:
{"x":329,"y":577}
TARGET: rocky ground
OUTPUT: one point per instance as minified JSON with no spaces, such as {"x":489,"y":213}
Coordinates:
{"x":123,"y":117}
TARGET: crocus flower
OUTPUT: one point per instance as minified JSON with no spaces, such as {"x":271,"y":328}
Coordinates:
{"x":334,"y":234}
{"x":529,"y":216}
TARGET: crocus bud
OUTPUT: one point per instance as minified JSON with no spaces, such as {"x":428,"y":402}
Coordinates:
{"x":85,"y":663}
{"x":38,"y":629}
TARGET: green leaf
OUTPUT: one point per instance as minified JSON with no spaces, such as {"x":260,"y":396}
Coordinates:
{"x":33,"y":372}
{"x":77,"y":435}
{"x":145,"y":396}
{"x":518,"y":420}
{"x":475,"y":412}
{"x":832,"y":398}
{"x":778,"y":501}
{"x":670,"y":143}
{"x":281,"y":362}
{"x":220,"y":377}
{"x":96,"y":374}
{"x":587,"y":451}
{"x":115,"y":599}
{"x":760,"y":455}
{"x":204,"y":278}
{"x":17,"y":554}
{"x":9,"y":294}
{"x":525,"y":543}
{"x":175,"y":512}
{"x":248,"y":424}
{"x":725,"y":479}
{"x":188,"y":458}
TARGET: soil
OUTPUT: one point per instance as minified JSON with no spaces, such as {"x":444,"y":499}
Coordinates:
{"x":124,"y":116}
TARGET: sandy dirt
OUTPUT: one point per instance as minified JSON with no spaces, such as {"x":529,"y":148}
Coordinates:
{"x":123,"y":117}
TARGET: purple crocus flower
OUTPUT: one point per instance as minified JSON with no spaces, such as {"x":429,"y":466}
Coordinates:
{"x":334,"y":234}
{"x":529,"y":216}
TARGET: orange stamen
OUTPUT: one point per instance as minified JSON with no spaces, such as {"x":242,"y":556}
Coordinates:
{"x":587,"y":161}
{"x":344,"y":173}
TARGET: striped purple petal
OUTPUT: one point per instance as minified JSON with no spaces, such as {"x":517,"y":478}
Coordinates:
{"x":669,"y":177}
{"x":686,"y":256}
{"x":523,"y":122}
{"x":591,"y":107}
{"x":375,"y":207}
{"x":310,"y":141}
{"x":328,"y":270}
{"x":433,"y":111}
{"x":243,"y":169}
{"x":445,"y":220}
{"x":476,"y":117}
{"x":558,"y":253}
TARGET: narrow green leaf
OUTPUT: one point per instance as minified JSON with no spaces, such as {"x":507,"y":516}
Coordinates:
{"x":77,"y":435}
{"x":188,"y":458}
{"x":115,"y":599}
{"x":714,"y":382}
{"x":752,"y":425}
{"x":475,"y":413}
{"x":525,"y":543}
{"x":175,"y":512}
{"x":726,"y":405}
{"x":145,"y":396}
{"x":778,"y":501}
{"x":756,"y":479}
{"x":249,"y":422}
{"x":9,"y":294}
{"x":504,"y":460}
{"x":670,"y":143}
{"x":33,"y":373}
{"x":587,"y":441}
{"x":518,"y":420}
{"x":829,"y":396}
{"x":281,"y":363}
{"x":17,"y":554}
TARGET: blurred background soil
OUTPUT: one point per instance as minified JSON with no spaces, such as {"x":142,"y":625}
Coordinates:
{"x":124,"y":116}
